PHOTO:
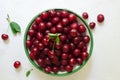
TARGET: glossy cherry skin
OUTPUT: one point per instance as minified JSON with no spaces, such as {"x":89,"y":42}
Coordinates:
{"x":65,"y":21}
{"x":51,"y":54}
{"x":59,"y":28}
{"x":65,"y":48}
{"x":28,"y":43}
{"x":42,"y":26}
{"x":74,"y":26}
{"x":64,"y":56}
{"x":85,"y":15}
{"x":86,"y":39}
{"x":39,"y":35}
{"x":49,"y":25}
{"x":79,"y":61}
{"x":72,"y":61}
{"x":68,"y":68}
{"x":38,"y":20}
{"x":31,"y":32}
{"x":64,"y":13}
{"x":63,"y":38}
{"x":17,"y":64}
{"x":92,"y":25}
{"x":48,"y":69}
{"x":73,"y":32}
{"x":100,"y":18}
{"x":84,"y":55}
{"x":76,"y":52}
{"x":45,"y":15}
{"x":82,"y":28}
{"x":72,"y":17}
{"x":55,"y":70}
{"x":55,"y":20}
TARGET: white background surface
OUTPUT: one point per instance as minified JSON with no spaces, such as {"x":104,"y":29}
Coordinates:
{"x":105,"y":61}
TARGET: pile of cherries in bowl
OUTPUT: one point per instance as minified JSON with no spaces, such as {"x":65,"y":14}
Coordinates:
{"x":57,"y":41}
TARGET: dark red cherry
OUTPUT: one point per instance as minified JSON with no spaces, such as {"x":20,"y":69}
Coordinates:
{"x":72,"y":61}
{"x":48,"y":69}
{"x":92,"y":25}
{"x":84,"y":55}
{"x":82,"y":28}
{"x":76,"y":52}
{"x":64,"y":56}
{"x":28,"y":43}
{"x":17,"y":64}
{"x":64,"y":13}
{"x":65,"y":48}
{"x":38,"y":20}
{"x":59,"y":28}
{"x":63,"y":38}
{"x":73,"y":32}
{"x":86,"y":39}
{"x":100,"y":18}
{"x":68,"y":68}
{"x":74,"y":25}
{"x":42,"y":26}
{"x":45,"y":15}
{"x":55,"y":70}
{"x":79,"y":61}
{"x":85,"y":15}
{"x":65,"y":21}
{"x":48,"y":25}
{"x":51,"y":54}
{"x":72,"y":17}
{"x":55,"y":20}
{"x":39,"y":36}
{"x":31,"y":32}
{"x":53,"y":30}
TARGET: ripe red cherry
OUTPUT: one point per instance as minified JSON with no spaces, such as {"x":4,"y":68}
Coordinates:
{"x":76,"y":40}
{"x":81,"y":44}
{"x":64,"y":62}
{"x":79,"y":61}
{"x":28,"y":43}
{"x":64,"y":13}
{"x":100,"y":18}
{"x":38,"y":20}
{"x":92,"y":25}
{"x":72,"y":61}
{"x":58,"y":14}
{"x":86,"y":39}
{"x":45,"y":15}
{"x":65,"y":21}
{"x":74,"y":26}
{"x":53,"y":30}
{"x":47,"y":61}
{"x":63,"y":38}
{"x":17,"y":64}
{"x":34,"y":27}
{"x":48,"y":69}
{"x":4,"y":36}
{"x":55,"y":69}
{"x":45,"y":41}
{"x":35,"y":50}
{"x":84,"y":55}
{"x":45,"y":51}
{"x":42,"y":26}
{"x":39,"y":36}
{"x":51,"y":54}
{"x":68,"y":68}
{"x":85,"y":15}
{"x":58,"y":45}
{"x":40,"y":46}
{"x":72,"y":17}
{"x":31,"y":32}
{"x":40,"y":62}
{"x":82,"y":28}
{"x":55,"y":20}
{"x":73,"y":32}
{"x":76,"y":52}
{"x":66,"y":30}
{"x":52,"y":13}
{"x":48,"y":25}
{"x":59,"y":28}
{"x":32,"y":56}
{"x":72,"y":46}
{"x":64,"y":56}
{"x":65,"y":48}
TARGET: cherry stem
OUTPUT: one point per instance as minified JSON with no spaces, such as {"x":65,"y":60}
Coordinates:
{"x":8,"y":18}
{"x":55,"y":37}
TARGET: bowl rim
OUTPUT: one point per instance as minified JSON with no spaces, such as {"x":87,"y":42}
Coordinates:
{"x":64,"y":74}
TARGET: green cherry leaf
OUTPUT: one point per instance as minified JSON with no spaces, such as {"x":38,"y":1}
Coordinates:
{"x":15,"y":26}
{"x":57,"y":40}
